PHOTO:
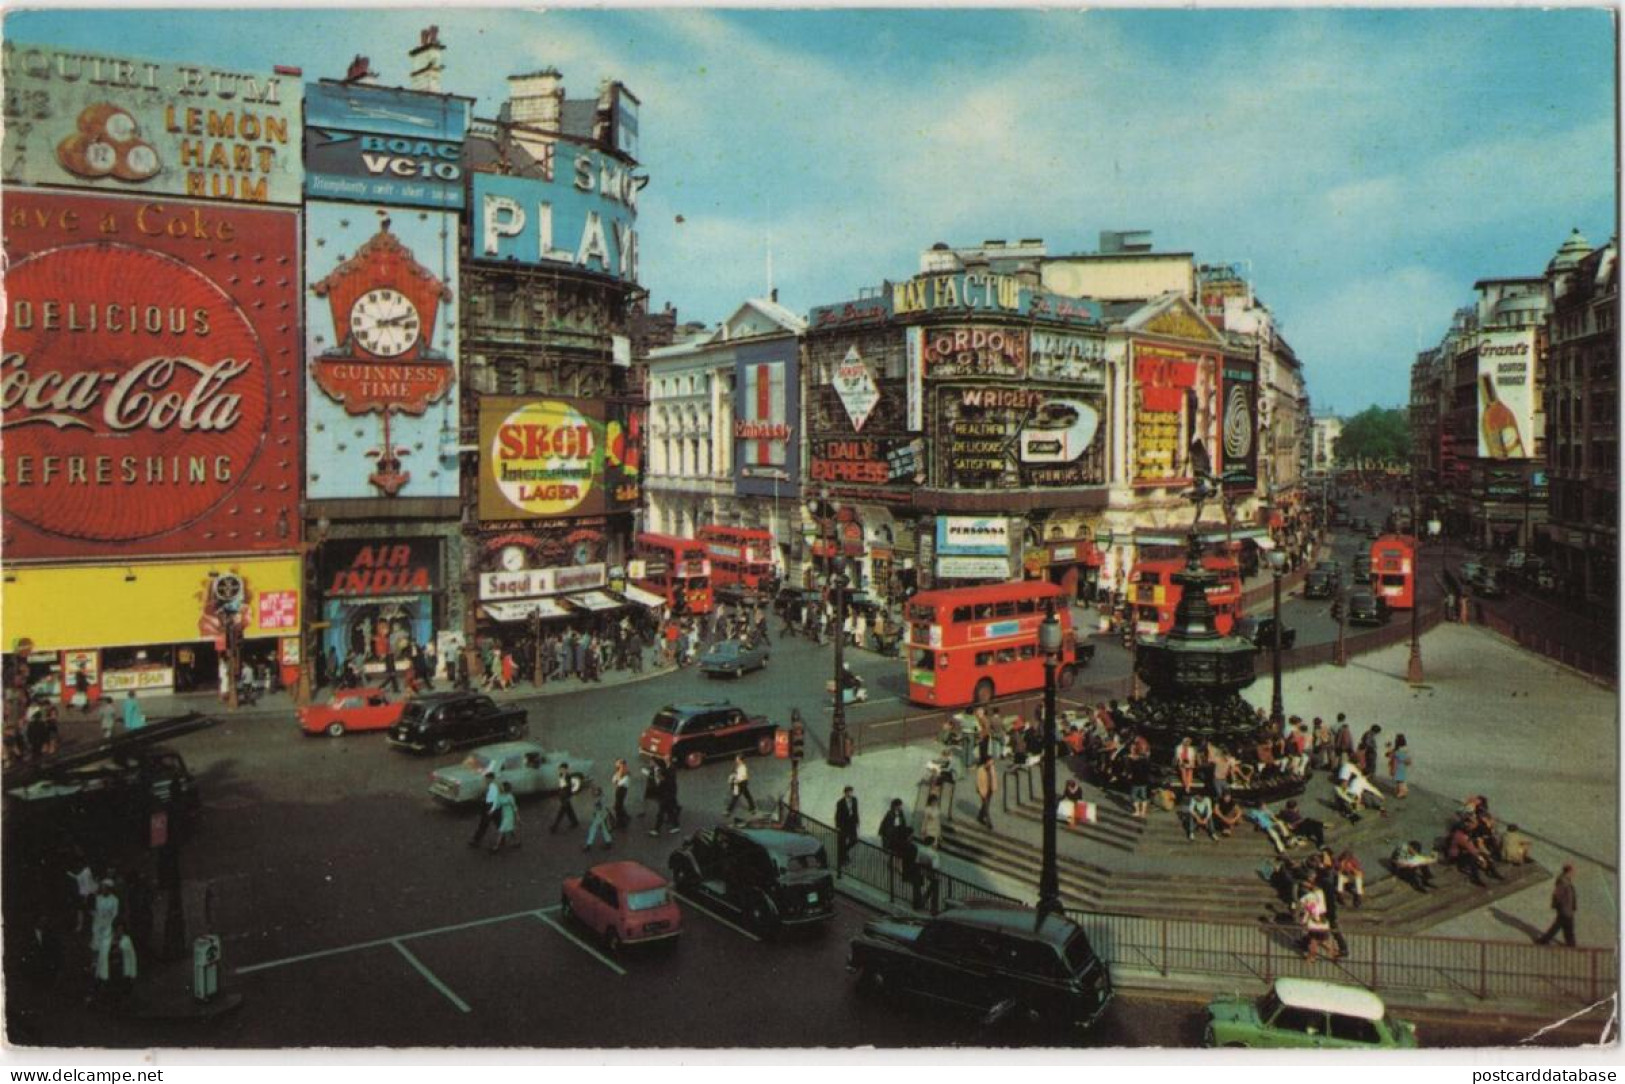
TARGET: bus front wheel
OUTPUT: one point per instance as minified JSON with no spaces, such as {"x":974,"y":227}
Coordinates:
{"x":984,"y":691}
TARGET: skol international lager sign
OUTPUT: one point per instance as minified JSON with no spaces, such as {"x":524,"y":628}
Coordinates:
{"x":541,"y":458}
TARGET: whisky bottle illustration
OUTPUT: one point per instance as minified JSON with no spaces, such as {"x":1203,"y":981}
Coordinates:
{"x":1500,"y":425}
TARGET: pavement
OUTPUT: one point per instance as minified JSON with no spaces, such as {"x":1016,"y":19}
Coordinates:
{"x":1538,"y":739}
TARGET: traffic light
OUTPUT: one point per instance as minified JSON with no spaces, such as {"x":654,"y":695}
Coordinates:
{"x":798,"y":741}
{"x":1337,"y":610}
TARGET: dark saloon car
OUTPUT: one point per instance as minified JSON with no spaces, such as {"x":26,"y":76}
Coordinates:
{"x":1318,"y":584}
{"x":769,"y":877}
{"x":1260,"y":632}
{"x":993,"y":960}
{"x":1334,"y":569}
{"x":691,"y":734}
{"x":733,"y":657}
{"x":1367,"y":609}
{"x":436,"y":722}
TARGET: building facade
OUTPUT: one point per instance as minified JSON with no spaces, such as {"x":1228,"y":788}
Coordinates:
{"x":551,"y":425}
{"x":1324,"y":432}
{"x":1582,"y":420}
{"x":384,"y":187}
{"x":151,"y":475}
{"x":725,"y":430}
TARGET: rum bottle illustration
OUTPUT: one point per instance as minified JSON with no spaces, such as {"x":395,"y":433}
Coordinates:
{"x":1500,"y":425}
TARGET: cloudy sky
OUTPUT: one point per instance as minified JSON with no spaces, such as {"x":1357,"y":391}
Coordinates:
{"x":1367,"y":166}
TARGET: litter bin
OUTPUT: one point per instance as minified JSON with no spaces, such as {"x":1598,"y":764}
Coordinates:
{"x":206,"y":967}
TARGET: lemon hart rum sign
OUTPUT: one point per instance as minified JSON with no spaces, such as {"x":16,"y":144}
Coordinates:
{"x":149,"y":378}
{"x":121,"y":124}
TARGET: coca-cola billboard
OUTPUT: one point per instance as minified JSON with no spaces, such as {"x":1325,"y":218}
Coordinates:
{"x":149,"y":378}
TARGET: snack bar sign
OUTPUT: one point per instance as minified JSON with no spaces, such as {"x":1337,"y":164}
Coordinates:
{"x":856,"y":387}
{"x":120,"y":124}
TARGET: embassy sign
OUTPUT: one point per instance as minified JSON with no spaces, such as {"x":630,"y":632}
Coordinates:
{"x":378,"y":145}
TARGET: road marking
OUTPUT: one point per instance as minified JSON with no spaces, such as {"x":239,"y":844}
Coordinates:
{"x":268,"y":964}
{"x":605,"y":960}
{"x":434,"y":980}
{"x":713,"y":915}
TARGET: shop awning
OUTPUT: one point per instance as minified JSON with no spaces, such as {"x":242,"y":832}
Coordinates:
{"x":521,"y":611}
{"x":593,"y":600}
{"x":637,"y":594}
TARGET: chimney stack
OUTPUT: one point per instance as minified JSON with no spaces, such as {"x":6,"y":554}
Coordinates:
{"x":427,"y":61}
{"x":360,"y":72}
{"x":537,"y":100}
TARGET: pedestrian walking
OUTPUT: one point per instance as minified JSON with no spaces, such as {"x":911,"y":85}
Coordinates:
{"x":109,"y":718}
{"x":103,"y":910}
{"x":670,"y":809}
{"x":846,"y":828}
{"x":134,"y":717}
{"x":621,"y":782}
{"x":391,"y":681}
{"x":1399,"y":765}
{"x":489,"y":808}
{"x":894,"y":829}
{"x":1565,"y":902}
{"x":115,"y":967}
{"x":568,"y":785}
{"x":739,"y":785}
{"x":599,"y":825}
{"x":1368,"y":750}
{"x":507,"y":819}
{"x":987,"y":784}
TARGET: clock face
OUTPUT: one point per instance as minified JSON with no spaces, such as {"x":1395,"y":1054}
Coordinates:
{"x":513,"y":558}
{"x":385,"y":323}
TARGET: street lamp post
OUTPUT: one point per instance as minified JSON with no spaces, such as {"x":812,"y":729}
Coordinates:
{"x":838,"y":756}
{"x":1277,"y":710}
{"x":1049,"y":878}
{"x":1413,"y":669}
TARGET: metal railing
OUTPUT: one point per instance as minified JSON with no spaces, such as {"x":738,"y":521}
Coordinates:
{"x":1252,"y":954}
{"x":1391,"y":963}
{"x":1602,"y":667}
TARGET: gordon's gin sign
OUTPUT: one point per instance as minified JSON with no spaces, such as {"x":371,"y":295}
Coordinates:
{"x":147,"y":377}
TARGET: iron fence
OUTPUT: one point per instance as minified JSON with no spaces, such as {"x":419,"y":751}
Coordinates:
{"x":1603,"y":667}
{"x":1257,"y":954}
{"x":1390,"y":963}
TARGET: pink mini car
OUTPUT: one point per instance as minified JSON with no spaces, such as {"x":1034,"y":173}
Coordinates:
{"x":624,"y":903}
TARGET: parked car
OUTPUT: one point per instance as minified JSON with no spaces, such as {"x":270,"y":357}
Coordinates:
{"x":438,"y":721}
{"x":691,"y":734}
{"x":1299,"y":1013}
{"x":1260,"y":632}
{"x":733,"y":657}
{"x":769,"y":878}
{"x":994,"y":960}
{"x":351,"y":709}
{"x":523,"y":765}
{"x":1487,"y":584}
{"x":1318,"y":584}
{"x":622,"y":903}
{"x":1366,"y":608}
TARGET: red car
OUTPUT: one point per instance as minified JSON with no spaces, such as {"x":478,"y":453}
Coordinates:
{"x":351,"y":709}
{"x":624,"y":903}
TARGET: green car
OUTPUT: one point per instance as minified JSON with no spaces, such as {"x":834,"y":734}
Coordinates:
{"x":1298,"y":1013}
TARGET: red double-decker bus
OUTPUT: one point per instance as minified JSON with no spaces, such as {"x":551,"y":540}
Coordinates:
{"x":970,"y":644}
{"x":741,"y":557}
{"x":676,"y":569}
{"x":1393,"y":570}
{"x":1154,"y":594}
